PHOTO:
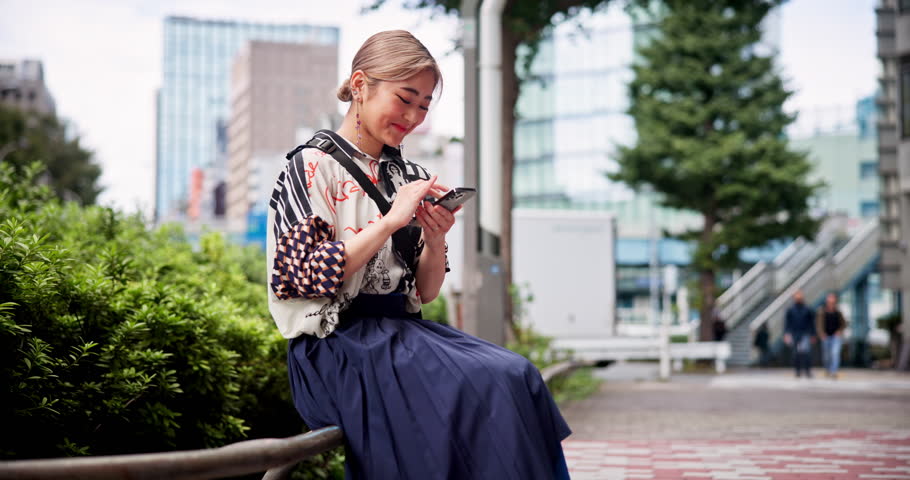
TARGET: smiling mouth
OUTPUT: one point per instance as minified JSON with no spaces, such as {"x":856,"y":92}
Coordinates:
{"x":399,"y":128}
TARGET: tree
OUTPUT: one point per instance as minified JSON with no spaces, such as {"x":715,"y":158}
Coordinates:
{"x":707,"y":104}
{"x":70,"y":171}
{"x":524,"y":23}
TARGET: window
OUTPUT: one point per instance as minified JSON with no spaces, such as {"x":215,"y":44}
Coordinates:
{"x":868,"y":169}
{"x":868,"y":209}
{"x":905,"y":96}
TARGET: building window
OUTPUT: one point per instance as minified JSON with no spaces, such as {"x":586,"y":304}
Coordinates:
{"x":868,"y":209}
{"x":905,"y":96}
{"x":903,"y":6}
{"x":868,"y":169}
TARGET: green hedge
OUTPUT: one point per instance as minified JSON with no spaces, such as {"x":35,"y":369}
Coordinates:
{"x":116,"y":338}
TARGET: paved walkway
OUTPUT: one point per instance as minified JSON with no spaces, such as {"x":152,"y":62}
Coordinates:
{"x":741,"y":425}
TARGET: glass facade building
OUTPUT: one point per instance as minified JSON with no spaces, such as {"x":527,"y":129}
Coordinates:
{"x":571,"y":119}
{"x":845,"y":158}
{"x":193,"y":102}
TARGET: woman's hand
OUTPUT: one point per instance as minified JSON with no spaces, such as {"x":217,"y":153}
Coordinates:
{"x":407,"y":200}
{"x":436,"y":221}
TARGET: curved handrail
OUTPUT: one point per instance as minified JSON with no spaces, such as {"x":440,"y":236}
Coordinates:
{"x":856,"y":241}
{"x":240,"y":458}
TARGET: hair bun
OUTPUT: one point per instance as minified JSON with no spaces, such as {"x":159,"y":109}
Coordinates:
{"x":344,"y":91}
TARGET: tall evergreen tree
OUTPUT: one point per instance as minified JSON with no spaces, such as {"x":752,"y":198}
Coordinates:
{"x":29,"y":137}
{"x":707,"y":104}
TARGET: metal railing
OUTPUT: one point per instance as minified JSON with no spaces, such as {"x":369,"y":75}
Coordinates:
{"x":275,"y":456}
{"x":826,"y":274}
{"x":766,"y":280}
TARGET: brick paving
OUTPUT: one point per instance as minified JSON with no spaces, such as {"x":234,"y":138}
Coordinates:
{"x":742,"y":425}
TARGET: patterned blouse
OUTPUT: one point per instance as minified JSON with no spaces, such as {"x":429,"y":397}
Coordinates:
{"x":317,"y":205}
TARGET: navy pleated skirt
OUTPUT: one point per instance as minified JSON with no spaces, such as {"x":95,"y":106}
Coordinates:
{"x":420,"y":400}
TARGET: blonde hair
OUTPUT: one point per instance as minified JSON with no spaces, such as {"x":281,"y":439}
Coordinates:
{"x":390,"y":56}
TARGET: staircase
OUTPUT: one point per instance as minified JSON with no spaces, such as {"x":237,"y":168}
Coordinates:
{"x":834,"y":261}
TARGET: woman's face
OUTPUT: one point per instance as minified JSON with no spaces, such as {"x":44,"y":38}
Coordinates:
{"x":391,"y":110}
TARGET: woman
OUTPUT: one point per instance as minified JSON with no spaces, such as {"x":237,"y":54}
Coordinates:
{"x":415,"y":399}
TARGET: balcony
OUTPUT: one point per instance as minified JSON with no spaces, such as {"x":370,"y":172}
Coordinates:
{"x":886,"y":46}
{"x":884,"y":22}
{"x":901,"y":35}
{"x":887,"y":136}
{"x":887,"y":158}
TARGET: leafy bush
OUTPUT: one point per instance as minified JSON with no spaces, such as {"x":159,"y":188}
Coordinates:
{"x":115,"y":338}
{"x":437,"y":310}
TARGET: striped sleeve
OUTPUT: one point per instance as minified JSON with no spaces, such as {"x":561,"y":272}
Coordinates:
{"x":307,"y":261}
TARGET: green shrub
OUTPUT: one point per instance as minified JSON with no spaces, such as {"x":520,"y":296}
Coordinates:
{"x":115,"y":338}
{"x":437,"y":310}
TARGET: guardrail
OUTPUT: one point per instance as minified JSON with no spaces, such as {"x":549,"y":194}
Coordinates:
{"x":276,"y":456}
{"x":824,"y":275}
{"x":620,"y":349}
{"x":767,"y":280}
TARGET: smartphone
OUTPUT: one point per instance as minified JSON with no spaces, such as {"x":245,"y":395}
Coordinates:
{"x":455,"y":198}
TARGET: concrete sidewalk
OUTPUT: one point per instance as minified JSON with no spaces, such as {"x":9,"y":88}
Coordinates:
{"x":747,"y":424}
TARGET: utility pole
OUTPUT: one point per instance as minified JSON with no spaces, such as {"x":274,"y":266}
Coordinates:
{"x":484,"y":292}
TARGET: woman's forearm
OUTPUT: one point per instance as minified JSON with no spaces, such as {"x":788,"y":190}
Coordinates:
{"x":431,"y":271}
{"x":360,"y":249}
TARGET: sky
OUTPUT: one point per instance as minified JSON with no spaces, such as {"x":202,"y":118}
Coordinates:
{"x":102,"y":62}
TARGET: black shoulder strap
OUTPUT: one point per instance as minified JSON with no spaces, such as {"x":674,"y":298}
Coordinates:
{"x":332,"y":144}
{"x":345,"y":159}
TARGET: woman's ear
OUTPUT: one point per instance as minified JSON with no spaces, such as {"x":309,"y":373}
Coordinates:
{"x":359,"y":85}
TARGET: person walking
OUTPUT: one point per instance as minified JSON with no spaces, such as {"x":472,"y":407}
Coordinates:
{"x":799,"y":334}
{"x":830,"y":325}
{"x":762,"y":340}
{"x":354,"y":250}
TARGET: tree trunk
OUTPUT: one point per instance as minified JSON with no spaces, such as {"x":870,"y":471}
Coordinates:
{"x":510,"y":90}
{"x":707,"y":281}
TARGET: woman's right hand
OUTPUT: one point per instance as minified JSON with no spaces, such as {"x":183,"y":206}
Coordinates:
{"x":406,"y":201}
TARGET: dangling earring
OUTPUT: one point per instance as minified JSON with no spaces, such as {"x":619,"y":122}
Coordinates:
{"x":357,"y":114}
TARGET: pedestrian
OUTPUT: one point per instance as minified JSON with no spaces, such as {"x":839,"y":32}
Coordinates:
{"x":799,"y":333}
{"x":354,"y":250}
{"x":762,"y":339}
{"x":830,"y":325}
{"x":719,"y":326}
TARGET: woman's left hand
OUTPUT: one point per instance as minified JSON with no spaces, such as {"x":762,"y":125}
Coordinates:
{"x":436,"y":221}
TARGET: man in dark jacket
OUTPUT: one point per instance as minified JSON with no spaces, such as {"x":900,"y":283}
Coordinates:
{"x":799,"y":333}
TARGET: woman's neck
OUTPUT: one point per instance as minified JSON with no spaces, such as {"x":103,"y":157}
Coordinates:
{"x":348,"y":130}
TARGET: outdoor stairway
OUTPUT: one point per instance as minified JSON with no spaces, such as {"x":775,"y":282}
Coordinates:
{"x":835,"y":261}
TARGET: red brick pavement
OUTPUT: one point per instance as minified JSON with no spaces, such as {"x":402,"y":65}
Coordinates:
{"x":823,"y":454}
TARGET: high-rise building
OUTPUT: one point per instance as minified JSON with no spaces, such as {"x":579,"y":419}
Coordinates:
{"x":893,"y":32}
{"x":277,"y":89}
{"x":193,"y":102}
{"x":22,"y":87}
{"x":844,"y":155}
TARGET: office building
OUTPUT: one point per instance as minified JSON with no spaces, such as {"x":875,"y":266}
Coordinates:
{"x":277,"y":90}
{"x":22,"y":87}
{"x":193,"y":101}
{"x":893,"y":36}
